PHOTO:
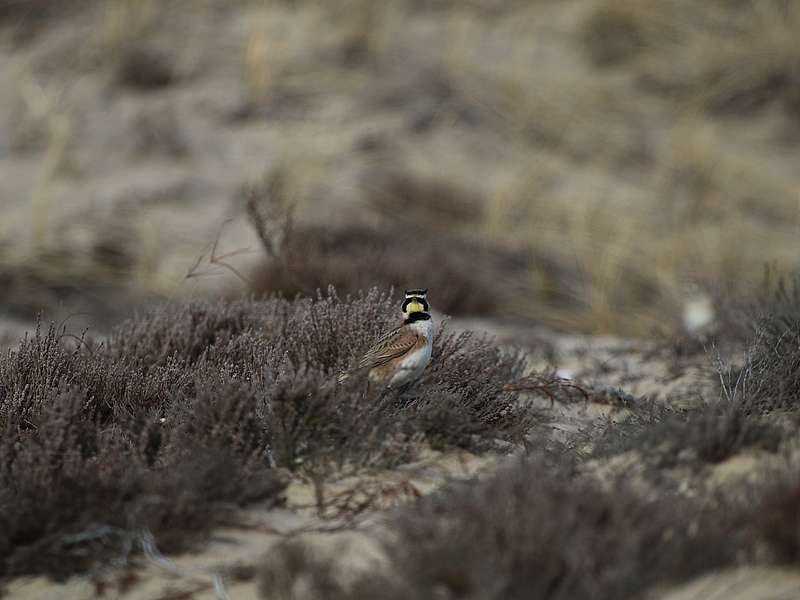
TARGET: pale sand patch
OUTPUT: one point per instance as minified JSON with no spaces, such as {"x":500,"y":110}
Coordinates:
{"x":746,"y":583}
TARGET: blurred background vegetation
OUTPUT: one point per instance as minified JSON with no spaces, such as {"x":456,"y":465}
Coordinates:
{"x":605,"y":166}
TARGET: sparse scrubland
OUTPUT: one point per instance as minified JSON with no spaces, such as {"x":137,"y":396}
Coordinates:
{"x":557,"y":523}
{"x":186,"y":413}
{"x":259,"y":180}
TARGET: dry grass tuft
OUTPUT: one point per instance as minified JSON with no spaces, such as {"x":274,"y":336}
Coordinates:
{"x":759,"y":333}
{"x":270,"y":208}
{"x":724,"y":57}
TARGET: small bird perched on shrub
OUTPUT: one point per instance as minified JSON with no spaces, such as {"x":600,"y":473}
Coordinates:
{"x":401,"y":355}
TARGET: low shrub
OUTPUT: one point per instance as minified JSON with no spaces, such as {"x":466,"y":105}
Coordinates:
{"x":533,"y":530}
{"x":699,"y":436}
{"x":186,"y":413}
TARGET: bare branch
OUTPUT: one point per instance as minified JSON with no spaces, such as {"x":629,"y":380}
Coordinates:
{"x":215,"y":260}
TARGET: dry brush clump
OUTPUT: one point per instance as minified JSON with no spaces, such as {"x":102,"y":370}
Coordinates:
{"x":536,"y":530}
{"x":758,"y":333}
{"x":772,"y":361}
{"x":186,"y":413}
{"x":539,"y":529}
{"x":666,"y":437}
{"x":741,"y":313}
{"x":754,"y":352}
{"x":705,"y":433}
{"x":88,"y":463}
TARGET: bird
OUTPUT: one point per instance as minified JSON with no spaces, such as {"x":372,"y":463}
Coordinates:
{"x":400,"y":356}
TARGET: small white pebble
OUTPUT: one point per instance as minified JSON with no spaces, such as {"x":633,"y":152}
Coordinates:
{"x":564,"y":373}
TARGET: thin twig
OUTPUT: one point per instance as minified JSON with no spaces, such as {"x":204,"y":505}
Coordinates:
{"x":215,"y":260}
{"x":552,"y":387}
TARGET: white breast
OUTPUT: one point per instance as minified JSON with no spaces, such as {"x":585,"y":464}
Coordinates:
{"x":424,"y":328}
{"x":413,"y":366}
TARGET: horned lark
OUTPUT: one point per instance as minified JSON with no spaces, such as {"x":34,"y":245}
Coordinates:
{"x":401,"y":355}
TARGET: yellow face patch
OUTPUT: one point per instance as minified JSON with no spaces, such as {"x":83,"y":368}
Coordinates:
{"x":414,"y":306}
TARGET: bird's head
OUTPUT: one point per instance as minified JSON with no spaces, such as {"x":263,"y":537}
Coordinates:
{"x":415,"y":301}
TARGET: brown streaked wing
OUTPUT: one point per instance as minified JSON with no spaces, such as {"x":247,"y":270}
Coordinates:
{"x":393,"y":345}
